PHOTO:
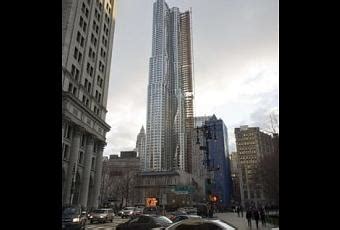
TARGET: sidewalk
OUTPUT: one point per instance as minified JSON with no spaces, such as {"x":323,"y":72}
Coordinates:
{"x":241,"y":223}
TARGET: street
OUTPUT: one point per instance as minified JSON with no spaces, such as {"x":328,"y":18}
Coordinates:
{"x":106,"y":226}
{"x":241,"y":223}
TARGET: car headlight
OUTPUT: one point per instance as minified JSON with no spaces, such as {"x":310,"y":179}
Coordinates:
{"x":101,"y":216}
{"x":75,"y":220}
{"x":91,"y":216}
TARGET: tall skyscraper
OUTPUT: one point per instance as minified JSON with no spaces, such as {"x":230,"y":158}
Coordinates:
{"x":251,"y":145}
{"x":170,"y":91}
{"x":87,"y":37}
{"x":140,"y":147}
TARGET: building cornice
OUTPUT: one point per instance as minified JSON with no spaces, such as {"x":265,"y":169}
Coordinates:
{"x":70,"y":97}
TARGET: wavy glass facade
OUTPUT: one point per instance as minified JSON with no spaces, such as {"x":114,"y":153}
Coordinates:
{"x":170,"y":91}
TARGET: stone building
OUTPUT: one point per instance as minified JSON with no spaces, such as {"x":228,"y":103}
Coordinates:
{"x":118,"y":179}
{"x":251,"y":145}
{"x":171,"y":188}
{"x":87,"y":37}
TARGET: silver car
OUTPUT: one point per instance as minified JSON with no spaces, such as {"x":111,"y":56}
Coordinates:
{"x":128,"y":212}
{"x":101,"y":215}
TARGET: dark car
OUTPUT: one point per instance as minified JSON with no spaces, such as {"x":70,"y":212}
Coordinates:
{"x":152,"y":210}
{"x":201,"y":224}
{"x":101,"y":215}
{"x":145,"y":222}
{"x":73,"y":218}
{"x":184,"y":217}
{"x":127,"y":212}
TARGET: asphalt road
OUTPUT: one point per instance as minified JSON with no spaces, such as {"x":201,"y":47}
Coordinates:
{"x":106,"y":226}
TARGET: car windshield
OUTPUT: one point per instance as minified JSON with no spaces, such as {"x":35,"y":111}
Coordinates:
{"x":129,"y":208}
{"x":99,"y":211}
{"x":70,"y":211}
{"x":162,"y":220}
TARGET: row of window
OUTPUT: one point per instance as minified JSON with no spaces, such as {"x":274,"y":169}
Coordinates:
{"x":80,"y":39}
{"x":66,"y":153}
{"x":82,"y":24}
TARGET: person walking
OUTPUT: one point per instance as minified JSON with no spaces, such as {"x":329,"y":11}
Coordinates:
{"x":248,"y":216}
{"x":256,"y":217}
{"x":263,"y":217}
{"x":238,"y":211}
{"x":241,"y":210}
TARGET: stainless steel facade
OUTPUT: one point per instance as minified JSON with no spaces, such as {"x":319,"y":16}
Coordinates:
{"x":170,"y":91}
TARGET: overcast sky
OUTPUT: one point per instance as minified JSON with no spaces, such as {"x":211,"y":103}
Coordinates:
{"x":235,"y":65}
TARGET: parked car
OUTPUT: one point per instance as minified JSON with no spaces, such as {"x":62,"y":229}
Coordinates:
{"x":200,"y":224}
{"x":73,"y":218}
{"x":184,"y":217}
{"x":127,"y":212}
{"x":102,"y":215}
{"x":145,"y":222}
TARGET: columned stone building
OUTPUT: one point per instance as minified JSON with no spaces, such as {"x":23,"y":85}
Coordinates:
{"x":87,"y":36}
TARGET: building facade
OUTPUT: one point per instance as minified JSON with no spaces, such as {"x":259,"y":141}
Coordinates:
{"x":251,"y":145}
{"x":173,"y":189}
{"x":236,"y":195}
{"x":170,"y":91}
{"x":140,"y":148}
{"x":219,"y":161}
{"x":119,"y":178}
{"x":87,"y":36}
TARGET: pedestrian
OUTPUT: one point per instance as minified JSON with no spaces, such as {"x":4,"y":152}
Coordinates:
{"x":238,"y":211}
{"x":256,"y":217}
{"x":248,"y":216}
{"x":263,"y":217}
{"x":241,"y":210}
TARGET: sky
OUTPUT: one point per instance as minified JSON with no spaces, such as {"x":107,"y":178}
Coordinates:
{"x":235,"y":50}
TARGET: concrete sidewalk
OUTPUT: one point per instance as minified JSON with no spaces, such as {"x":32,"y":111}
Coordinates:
{"x":241,"y":223}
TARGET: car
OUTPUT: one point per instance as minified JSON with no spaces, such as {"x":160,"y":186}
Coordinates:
{"x":172,"y":215}
{"x":145,"y":222}
{"x":137,"y":212}
{"x":200,"y":224}
{"x":127,"y":212}
{"x":102,"y":215}
{"x":73,"y":217}
{"x":152,"y":210}
{"x":183,"y":217}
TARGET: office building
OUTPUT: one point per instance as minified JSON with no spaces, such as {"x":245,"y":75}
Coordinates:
{"x":251,"y":145}
{"x":87,"y":37}
{"x":170,"y":91}
{"x":140,"y":148}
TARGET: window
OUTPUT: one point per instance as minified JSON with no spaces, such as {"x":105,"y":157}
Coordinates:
{"x":87,"y":13}
{"x":70,"y":87}
{"x":75,"y":53}
{"x":81,"y":21}
{"x":78,"y":37}
{"x":84,"y":27}
{"x":92,"y":163}
{"x":77,"y":74}
{"x":90,"y":52}
{"x":79,"y":57}
{"x":87,"y":102}
{"x":82,"y":42}
{"x":81,"y":156}
{"x":68,"y":132}
{"x":85,"y":83}
{"x":91,"y":71}
{"x":73,"y":70}
{"x":95,"y":42}
{"x":96,"y":94}
{"x":84,"y":99}
{"x":99,"y":97}
{"x":74,"y":91}
{"x":89,"y":88}
{"x":83,"y":7}
{"x":83,"y":140}
{"x":65,"y":151}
